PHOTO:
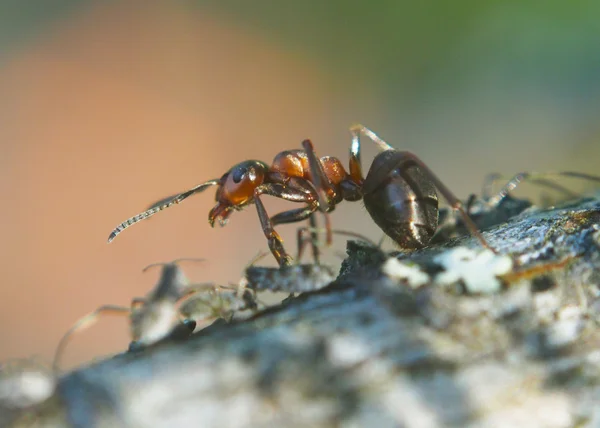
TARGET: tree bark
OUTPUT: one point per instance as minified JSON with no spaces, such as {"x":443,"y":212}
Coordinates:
{"x":449,"y":335}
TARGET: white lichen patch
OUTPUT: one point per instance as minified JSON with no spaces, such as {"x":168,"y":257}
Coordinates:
{"x":347,"y":350}
{"x":26,"y":387}
{"x":412,"y":274}
{"x":567,"y":327}
{"x":545,"y":305}
{"x":478,"y":270}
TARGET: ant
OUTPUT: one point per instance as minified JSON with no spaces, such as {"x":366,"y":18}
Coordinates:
{"x":492,"y":209}
{"x":399,"y":193}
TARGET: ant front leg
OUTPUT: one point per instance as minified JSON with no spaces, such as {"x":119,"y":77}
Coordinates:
{"x":289,"y":194}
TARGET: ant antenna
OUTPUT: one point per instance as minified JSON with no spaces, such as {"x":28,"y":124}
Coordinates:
{"x":159,"y":206}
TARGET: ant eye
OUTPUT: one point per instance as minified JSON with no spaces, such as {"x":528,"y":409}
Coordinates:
{"x":238,"y":174}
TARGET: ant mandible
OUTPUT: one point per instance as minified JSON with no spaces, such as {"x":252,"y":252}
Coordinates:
{"x":399,"y":193}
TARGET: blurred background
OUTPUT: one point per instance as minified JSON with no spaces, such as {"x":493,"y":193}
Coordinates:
{"x":107,"y":106}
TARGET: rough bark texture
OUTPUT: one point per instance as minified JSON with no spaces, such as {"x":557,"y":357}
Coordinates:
{"x":447,"y":336}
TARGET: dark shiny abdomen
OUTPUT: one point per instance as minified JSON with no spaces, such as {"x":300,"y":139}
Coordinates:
{"x":405,"y":206}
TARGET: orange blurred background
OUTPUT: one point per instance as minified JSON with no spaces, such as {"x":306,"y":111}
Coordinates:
{"x":114,"y":105}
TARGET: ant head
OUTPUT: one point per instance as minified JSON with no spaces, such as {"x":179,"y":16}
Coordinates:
{"x":236,"y":189}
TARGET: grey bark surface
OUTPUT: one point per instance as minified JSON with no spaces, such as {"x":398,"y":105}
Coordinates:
{"x":416,"y":349}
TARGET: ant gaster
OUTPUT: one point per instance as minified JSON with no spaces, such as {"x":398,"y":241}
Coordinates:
{"x":399,"y":193}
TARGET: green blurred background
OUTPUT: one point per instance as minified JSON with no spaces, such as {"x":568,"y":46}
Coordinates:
{"x":106,"y":106}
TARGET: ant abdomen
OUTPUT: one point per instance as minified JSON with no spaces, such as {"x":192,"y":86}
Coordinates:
{"x":401,"y":199}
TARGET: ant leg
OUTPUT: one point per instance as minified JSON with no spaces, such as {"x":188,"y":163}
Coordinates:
{"x":314,"y":238}
{"x":319,"y":179}
{"x":488,"y":184}
{"x":301,"y":214}
{"x":355,"y":164}
{"x":273,"y":238}
{"x":301,"y":240}
{"x":82,"y":324}
{"x":470,"y":202}
{"x":311,"y":190}
{"x":325,"y":192}
{"x":358,"y":129}
{"x":454,"y":202}
{"x":296,"y":215}
{"x":540,"y":179}
{"x":275,"y":241}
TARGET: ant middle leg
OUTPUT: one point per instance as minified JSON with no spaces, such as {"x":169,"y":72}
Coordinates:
{"x":313,"y":238}
{"x":313,"y":194}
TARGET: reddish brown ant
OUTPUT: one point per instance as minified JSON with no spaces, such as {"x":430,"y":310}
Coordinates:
{"x":399,"y":193}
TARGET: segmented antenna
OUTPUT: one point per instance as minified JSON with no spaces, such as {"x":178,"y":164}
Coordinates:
{"x":159,"y":206}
